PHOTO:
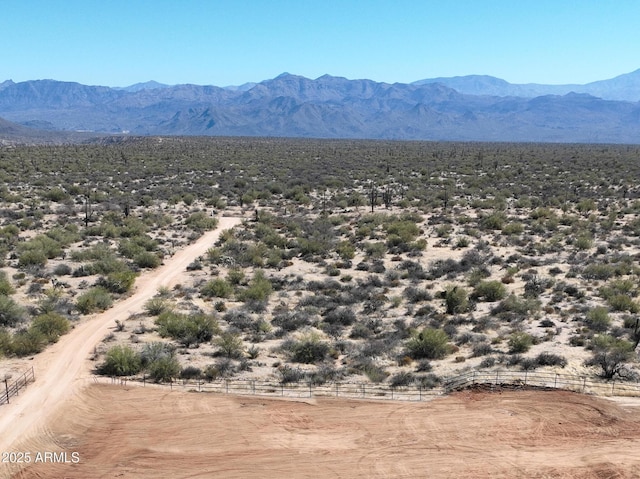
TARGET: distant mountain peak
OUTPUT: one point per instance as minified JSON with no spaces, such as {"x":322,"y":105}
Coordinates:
{"x":148,"y":85}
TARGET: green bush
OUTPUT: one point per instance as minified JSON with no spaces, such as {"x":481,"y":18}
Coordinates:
{"x":11,"y":313}
{"x":622,"y":302}
{"x":489,"y":291}
{"x":217,"y":288}
{"x":146,"y":259}
{"x":520,"y":343}
{"x":230,"y":345}
{"x":51,"y":325}
{"x":456,"y":300}
{"x":610,"y":354}
{"x":95,"y":299}
{"x":156,"y":306}
{"x":164,"y":369}
{"x":6,"y":288}
{"x":6,"y":348}
{"x":119,"y":282}
{"x":27,"y":342}
{"x":188,"y":330}
{"x":200,"y":222}
{"x":430,"y":343}
{"x":598,"y":319}
{"x":121,"y":361}
{"x":309,"y":350}
{"x":32,"y":257}
{"x":259,"y":288}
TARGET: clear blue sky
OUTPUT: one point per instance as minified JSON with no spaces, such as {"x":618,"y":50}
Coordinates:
{"x":220,"y":42}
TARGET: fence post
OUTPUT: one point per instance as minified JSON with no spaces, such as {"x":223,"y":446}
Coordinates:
{"x":525,"y":377}
{"x":253,"y":387}
{"x":337,"y":389}
{"x":6,"y":386}
{"x":310,"y":390}
{"x":555,"y":381}
{"x":420,"y":391}
{"x":282,"y":389}
{"x":584,"y":384}
{"x":474,"y":377}
{"x":497,"y":375}
{"x":226,"y":386}
{"x":364,"y":391}
{"x":613,"y":385}
{"x":392,"y":393}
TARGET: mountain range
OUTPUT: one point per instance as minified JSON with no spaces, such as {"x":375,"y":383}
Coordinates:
{"x":470,"y":108}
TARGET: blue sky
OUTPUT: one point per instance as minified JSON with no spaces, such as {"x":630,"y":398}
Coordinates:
{"x":220,"y":42}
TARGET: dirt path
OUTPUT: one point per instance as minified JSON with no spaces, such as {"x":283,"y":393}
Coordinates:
{"x":62,"y":368}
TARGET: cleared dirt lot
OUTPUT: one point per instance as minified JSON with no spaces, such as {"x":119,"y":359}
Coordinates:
{"x":148,"y":433}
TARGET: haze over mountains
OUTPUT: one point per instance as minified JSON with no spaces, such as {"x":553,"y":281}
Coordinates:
{"x":470,"y":108}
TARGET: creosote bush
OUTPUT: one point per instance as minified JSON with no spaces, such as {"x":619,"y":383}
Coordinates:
{"x":430,"y":343}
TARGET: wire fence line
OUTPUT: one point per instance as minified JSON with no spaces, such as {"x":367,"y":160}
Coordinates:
{"x":13,"y":388}
{"x":251,"y":387}
{"x":348,"y":390}
{"x":550,"y":380}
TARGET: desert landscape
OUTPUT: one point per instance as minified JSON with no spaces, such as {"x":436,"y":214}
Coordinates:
{"x":318,"y":262}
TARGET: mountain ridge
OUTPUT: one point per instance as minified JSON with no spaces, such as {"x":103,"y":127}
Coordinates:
{"x":332,"y":107}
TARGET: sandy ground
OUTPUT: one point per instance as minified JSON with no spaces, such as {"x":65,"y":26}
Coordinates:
{"x":132,"y":432}
{"x":63,"y":367}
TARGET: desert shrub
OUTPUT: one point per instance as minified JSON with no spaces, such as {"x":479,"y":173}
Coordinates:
{"x":5,"y":343}
{"x":155,"y":306}
{"x":190,"y":372}
{"x":622,"y":302}
{"x":259,"y":288}
{"x":51,"y":325}
{"x":429,"y":381}
{"x":6,"y":288}
{"x":235,"y":276}
{"x":27,"y":342}
{"x":120,"y":361}
{"x":489,"y":291}
{"x":147,"y":259}
{"x":456,"y":300}
{"x":290,"y":375}
{"x":550,"y":359}
{"x":32,"y":257}
{"x":598,"y":319}
{"x":164,"y":368}
{"x":118,"y":282}
{"x":430,"y":343}
{"x":95,"y":299}
{"x":216,"y":288}
{"x":403,"y":378}
{"x":230,"y":345}
{"x":345,"y":250}
{"x":513,"y":304}
{"x":308,"y":349}
{"x":62,"y":269}
{"x":187,"y":329}
{"x":601,"y":271}
{"x":342,"y":315}
{"x":416,"y":295}
{"x":374,"y":372}
{"x":520,"y":343}
{"x":481,"y":349}
{"x":610,"y":354}
{"x":11,"y":313}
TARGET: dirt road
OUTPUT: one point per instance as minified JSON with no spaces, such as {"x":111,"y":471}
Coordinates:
{"x":64,"y":367}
